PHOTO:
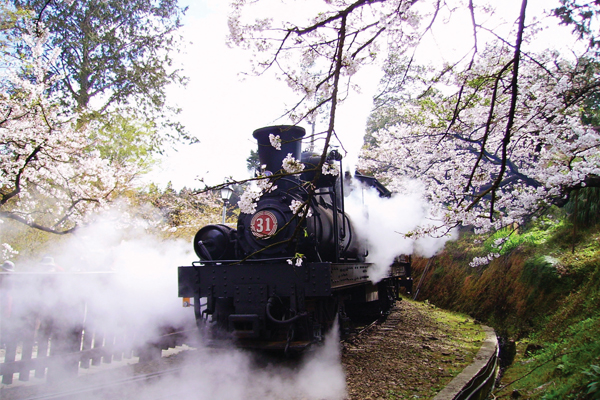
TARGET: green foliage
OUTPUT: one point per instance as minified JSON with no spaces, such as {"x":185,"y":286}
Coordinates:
{"x":584,"y":207}
{"x":594,"y":374}
{"x":29,"y":243}
{"x":590,"y":113}
{"x":8,"y":20}
{"x":536,"y":234}
{"x":121,"y":140}
{"x":543,"y":274}
{"x":564,"y":368}
{"x":541,"y":291}
{"x":581,"y":18}
{"x":183,"y":212}
{"x":504,"y":241}
{"x":114,"y":54}
{"x":252,"y":162}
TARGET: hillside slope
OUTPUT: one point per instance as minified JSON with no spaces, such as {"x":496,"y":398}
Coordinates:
{"x":541,"y":295}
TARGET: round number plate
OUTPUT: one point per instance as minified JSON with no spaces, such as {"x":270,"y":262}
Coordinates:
{"x":263,"y":224}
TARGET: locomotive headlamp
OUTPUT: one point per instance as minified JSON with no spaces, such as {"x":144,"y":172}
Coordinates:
{"x":226,"y":193}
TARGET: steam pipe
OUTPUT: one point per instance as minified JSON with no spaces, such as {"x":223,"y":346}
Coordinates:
{"x":336,"y":233}
{"x":341,"y":180}
{"x":282,"y":321}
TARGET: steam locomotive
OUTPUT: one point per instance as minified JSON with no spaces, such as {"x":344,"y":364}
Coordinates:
{"x":280,"y":280}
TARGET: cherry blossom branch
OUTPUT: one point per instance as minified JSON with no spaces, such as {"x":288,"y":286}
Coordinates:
{"x":513,"y":105}
{"x":485,"y":135}
{"x":17,"y":181}
{"x":15,"y":217}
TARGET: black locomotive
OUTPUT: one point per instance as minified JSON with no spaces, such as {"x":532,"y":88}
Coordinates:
{"x":282,"y":277}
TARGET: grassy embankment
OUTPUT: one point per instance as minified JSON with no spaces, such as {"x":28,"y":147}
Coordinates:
{"x":542,"y":295}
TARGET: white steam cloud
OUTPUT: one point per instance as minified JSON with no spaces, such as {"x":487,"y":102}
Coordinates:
{"x":383,"y":224}
{"x":234,"y":375}
{"x":138,"y":291}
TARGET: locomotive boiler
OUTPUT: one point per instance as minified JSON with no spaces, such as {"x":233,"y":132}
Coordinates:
{"x":294,"y":263}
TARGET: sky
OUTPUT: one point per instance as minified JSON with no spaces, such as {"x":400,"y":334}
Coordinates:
{"x":221,"y":106}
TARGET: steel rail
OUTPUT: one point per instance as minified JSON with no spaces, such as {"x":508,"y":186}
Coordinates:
{"x":98,"y":389}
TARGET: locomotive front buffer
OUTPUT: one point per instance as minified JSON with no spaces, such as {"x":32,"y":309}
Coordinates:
{"x":281,"y":306}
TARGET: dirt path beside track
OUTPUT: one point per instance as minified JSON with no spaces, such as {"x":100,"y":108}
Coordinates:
{"x":413,"y":354}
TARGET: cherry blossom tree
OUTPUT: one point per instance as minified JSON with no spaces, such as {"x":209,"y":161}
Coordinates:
{"x":53,"y":174}
{"x":495,"y":142}
{"x":457,"y":144}
{"x":115,"y":59}
{"x":317,"y":57}
{"x":494,"y":134}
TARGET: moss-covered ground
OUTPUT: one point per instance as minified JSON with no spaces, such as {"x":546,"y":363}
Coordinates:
{"x":541,"y":293}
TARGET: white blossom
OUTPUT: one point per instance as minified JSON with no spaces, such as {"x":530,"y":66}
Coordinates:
{"x":7,"y":252}
{"x":299,"y":207}
{"x":551,"y":150}
{"x":304,"y":58}
{"x":331,"y":168}
{"x":480,"y":261}
{"x":275,"y":141}
{"x":248,"y":200}
{"x":266,"y":185}
{"x":296,"y":260}
{"x":291,"y":165}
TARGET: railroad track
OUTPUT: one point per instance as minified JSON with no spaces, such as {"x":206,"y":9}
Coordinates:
{"x":408,"y":354}
{"x":367,"y":337}
{"x":387,"y":321}
{"x":108,"y":390}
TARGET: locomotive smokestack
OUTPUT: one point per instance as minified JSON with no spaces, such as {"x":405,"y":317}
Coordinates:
{"x":291,"y":142}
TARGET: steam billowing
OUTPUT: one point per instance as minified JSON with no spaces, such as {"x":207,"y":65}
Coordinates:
{"x":233,"y":374}
{"x":138,"y":290}
{"x":384,"y":222}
